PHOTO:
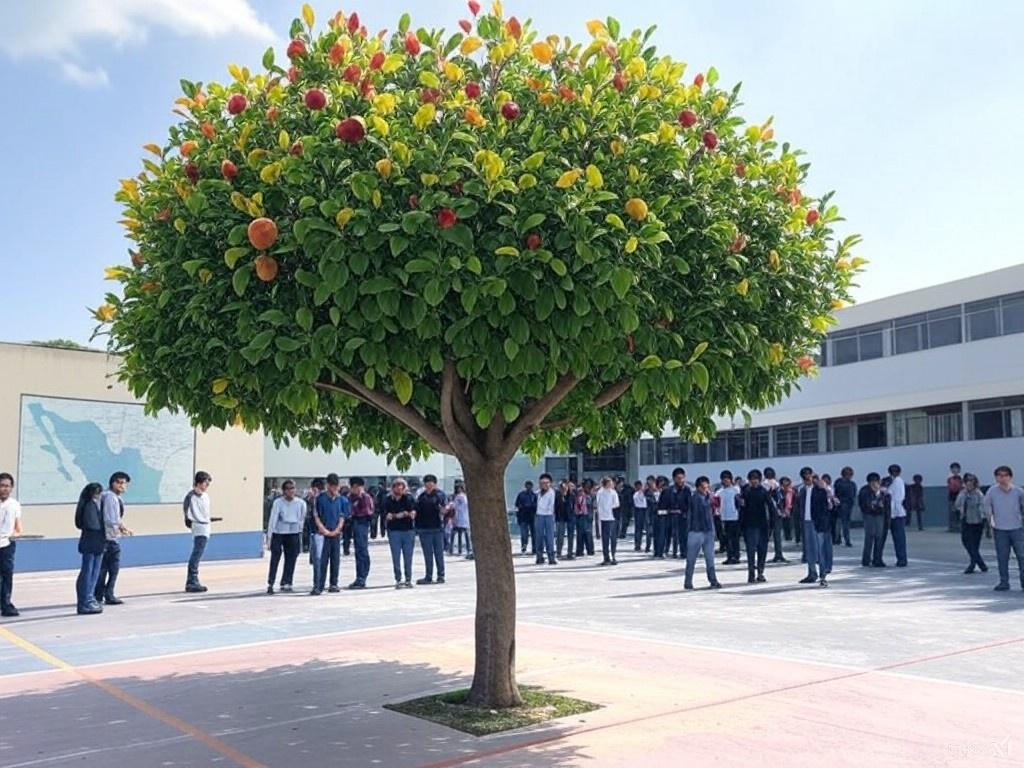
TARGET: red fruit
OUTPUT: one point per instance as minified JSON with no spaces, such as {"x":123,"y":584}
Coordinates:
{"x":296,"y":48}
{"x":472,"y":90}
{"x":262,"y":233}
{"x":619,"y":81}
{"x":412,"y":44}
{"x":738,"y":243}
{"x":710,"y":139}
{"x":687,"y":118}
{"x":446,"y":218}
{"x":293,"y":74}
{"x":353,"y":22}
{"x":812,"y":217}
{"x":164,"y":215}
{"x":337,"y":53}
{"x":296,"y":149}
{"x":741,"y":170}
{"x":351,"y":130}
{"x":366,"y":87}
{"x":378,"y":60}
{"x":805,"y":363}
{"x":514,"y":28}
{"x":430,"y":95}
{"x":566,"y":93}
{"x":533,"y":241}
{"x":266,"y":268}
{"x":352,"y":73}
{"x":510,"y":110}
{"x":474,"y":7}
{"x":192,"y":171}
{"x":467,"y":26}
{"x":272,"y":113}
{"x":228,"y":169}
{"x":208,"y":130}
{"x":699,"y":79}
{"x":414,"y":201}
{"x":316,"y":99}
{"x":237,"y":104}
{"x":137,"y":258}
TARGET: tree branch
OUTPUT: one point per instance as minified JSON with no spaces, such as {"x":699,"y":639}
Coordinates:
{"x":464,"y":442}
{"x":390,"y":406}
{"x":608,"y":396}
{"x":533,"y":416}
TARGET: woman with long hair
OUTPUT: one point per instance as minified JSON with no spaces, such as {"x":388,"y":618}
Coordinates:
{"x":91,"y":543}
{"x":969,"y":504}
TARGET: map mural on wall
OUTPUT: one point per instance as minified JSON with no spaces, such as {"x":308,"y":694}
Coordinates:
{"x":67,"y":443}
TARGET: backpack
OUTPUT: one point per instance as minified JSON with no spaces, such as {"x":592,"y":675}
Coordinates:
{"x":185,"y":505}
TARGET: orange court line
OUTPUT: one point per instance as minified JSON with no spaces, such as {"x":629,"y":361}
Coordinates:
{"x":133,"y":701}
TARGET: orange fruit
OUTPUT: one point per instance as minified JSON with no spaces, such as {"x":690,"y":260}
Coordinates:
{"x":262,"y":233}
{"x":266,"y":268}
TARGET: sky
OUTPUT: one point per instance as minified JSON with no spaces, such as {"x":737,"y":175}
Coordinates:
{"x":906,"y":109}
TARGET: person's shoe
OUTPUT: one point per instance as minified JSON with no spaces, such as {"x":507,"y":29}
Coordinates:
{"x":408,"y":584}
{"x":440,"y":580}
{"x":195,"y":588}
{"x":89,"y":610}
{"x":286,"y":588}
{"x":999,"y":588}
{"x":10,"y":612}
{"x":687,"y":586}
{"x":823,"y":582}
{"x":636,"y":549}
{"x":659,"y":557}
{"x":424,"y":581}
{"x":761,"y":579}
{"x":606,"y":562}
{"x":969,"y":569}
{"x":984,"y":568}
{"x":270,"y":589}
{"x":113,"y":601}
{"x":552,"y":562}
{"x":316,"y":592}
{"x":570,"y":557}
{"x":808,"y":580}
{"x":751,"y":580}
{"x":848,"y":544}
{"x":471,"y":557}
{"x":715,"y":585}
{"x":334,"y":588}
{"x":614,"y":561}
{"x":398,"y":585}
{"x":539,"y":561}
{"x":901,"y":565}
{"x":357,"y":585}
{"x":879,"y":565}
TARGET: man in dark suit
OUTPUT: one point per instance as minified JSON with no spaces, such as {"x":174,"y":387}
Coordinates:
{"x":812,"y":507}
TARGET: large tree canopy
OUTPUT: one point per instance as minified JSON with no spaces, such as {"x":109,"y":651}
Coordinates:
{"x":491,"y":230}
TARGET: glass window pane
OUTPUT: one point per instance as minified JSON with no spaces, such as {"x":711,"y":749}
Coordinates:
{"x":988,"y":425}
{"x":906,"y":338}
{"x":809,"y":438}
{"x":718,"y":447}
{"x":647,"y":451}
{"x":983,"y":324}
{"x":870,"y":433}
{"x":840,"y":437}
{"x":944,"y":331}
{"x":844,"y":351}
{"x":1015,"y":420}
{"x":737,"y":441}
{"x":700,"y":452}
{"x":759,"y":443}
{"x":1013,"y":315}
{"x":871,"y":345}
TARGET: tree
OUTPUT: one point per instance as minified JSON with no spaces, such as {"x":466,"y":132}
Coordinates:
{"x":472,"y":243}
{"x":61,"y":344}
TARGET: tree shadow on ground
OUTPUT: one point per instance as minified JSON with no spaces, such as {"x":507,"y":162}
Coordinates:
{"x":316,"y":712}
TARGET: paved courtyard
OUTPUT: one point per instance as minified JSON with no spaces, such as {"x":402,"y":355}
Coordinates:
{"x":897,"y":667}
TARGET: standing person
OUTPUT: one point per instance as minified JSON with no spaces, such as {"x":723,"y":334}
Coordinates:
{"x":756,"y":511}
{"x":583,"y":509}
{"x":673,"y":502}
{"x":430,"y":528}
{"x":330,"y":512}
{"x":640,"y":521}
{"x":112,"y":506}
{"x":460,"y":508}
{"x":544,"y":521}
{"x":700,"y":534}
{"x":915,"y":501}
{"x":526,"y":515}
{"x":954,"y":484}
{"x":727,"y":496}
{"x":607,"y":501}
{"x":1004,"y":505}
{"x":10,"y":529}
{"x":812,"y":503}
{"x":625,"y":509}
{"x":565,"y":520}
{"x":970,"y":507}
{"x":379,"y":493}
{"x":775,"y":492}
{"x":399,"y":515}
{"x":898,"y":514}
{"x":871,"y":501}
{"x":652,"y":493}
{"x":846,"y":494}
{"x":284,"y":528}
{"x":197,"y":517}
{"x":833,"y":508}
{"x":788,"y":493}
{"x":91,"y":542}
{"x":363,"y":520}
{"x":309,"y":532}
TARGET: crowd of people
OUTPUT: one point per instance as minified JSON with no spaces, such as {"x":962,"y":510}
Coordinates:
{"x":671,"y":518}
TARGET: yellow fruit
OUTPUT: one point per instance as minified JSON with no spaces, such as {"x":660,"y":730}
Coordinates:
{"x":596,"y":28}
{"x":568,"y":178}
{"x":542,"y":52}
{"x":742,"y":287}
{"x":594,"y":177}
{"x":636,"y":209}
{"x":469,"y":45}
{"x":383,"y":167}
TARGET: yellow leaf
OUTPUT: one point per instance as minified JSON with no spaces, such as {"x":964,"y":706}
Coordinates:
{"x":205,"y":275}
{"x":380,"y":125}
{"x":453,"y":71}
{"x":637,"y":67}
{"x":376,"y":198}
{"x":401,"y":151}
{"x":383,"y":167}
{"x":424,"y":115}
{"x":742,"y":287}
{"x":838,"y":303}
{"x":666,"y":133}
{"x":568,"y":178}
{"x":776,"y":353}
{"x":343,"y":217}
{"x":429,"y":179}
{"x":633,"y":173}
{"x":284,"y":140}
{"x":858,"y":262}
{"x":429,"y":79}
{"x":774,"y":261}
{"x":842,"y":264}
{"x":235,"y":72}
{"x":240,"y":202}
{"x":631,"y":244}
{"x":596,"y":28}
{"x":181,"y":225}
{"x":307,"y":15}
{"x":753,"y":133}
{"x":384,"y":103}
{"x":615,"y":220}
{"x":534,"y":161}
{"x":105,"y":313}
{"x":594,"y":177}
{"x":271,"y":173}
{"x":154,"y":149}
{"x":114,"y":273}
{"x":617,"y":147}
{"x":220,"y":386}
{"x":719,"y":105}
{"x":243,"y":136}
{"x":496,"y":8}
{"x":392,"y":63}
{"x":469,"y":45}
{"x":542,"y":52}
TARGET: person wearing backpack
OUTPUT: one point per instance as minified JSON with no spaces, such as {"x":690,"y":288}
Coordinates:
{"x":91,"y":543}
{"x":196,"y":507}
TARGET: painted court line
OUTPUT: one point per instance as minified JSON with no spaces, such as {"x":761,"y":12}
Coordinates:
{"x":146,"y":708}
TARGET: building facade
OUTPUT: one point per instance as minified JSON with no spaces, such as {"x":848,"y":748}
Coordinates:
{"x":68,"y":421}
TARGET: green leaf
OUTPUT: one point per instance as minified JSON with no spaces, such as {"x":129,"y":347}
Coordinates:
{"x":558,"y":267}
{"x":240,"y":280}
{"x":286,"y":344}
{"x":268,"y":58}
{"x":651,"y":361}
{"x":196,"y":203}
{"x":359,"y":261}
{"x":506,"y":250}
{"x":510,"y":411}
{"x":274,"y":317}
{"x":712,"y":76}
{"x":700,"y":376}
{"x":304,"y":318}
{"x":697,"y":352}
{"x":370,"y":378}
{"x":232,"y":255}
{"x":306,"y":278}
{"x":628,"y":319}
{"x":262,"y":340}
{"x":403,"y":23}
{"x":377,"y":284}
{"x":511,"y":348}
{"x":460,"y":234}
{"x":473,"y":265}
{"x":531,"y":221}
{"x":398,"y":244}
{"x":671,"y":365}
{"x":622,"y":281}
{"x":403,"y":385}
{"x":434,"y":292}
{"x":614,"y":220}
{"x":238,"y":234}
{"x":613,"y":27}
{"x":414,"y":266}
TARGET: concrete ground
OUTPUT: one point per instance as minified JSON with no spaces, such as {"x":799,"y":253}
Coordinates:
{"x":919,"y":666}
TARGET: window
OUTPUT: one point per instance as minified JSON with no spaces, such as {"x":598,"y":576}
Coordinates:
{"x":647,"y":451}
{"x":870,"y":343}
{"x":760,"y":443}
{"x":844,"y":350}
{"x":857,"y":344}
{"x":840,"y":435}
{"x":992,"y":419}
{"x":982,"y":319}
{"x":611,"y":459}
{"x":718,"y":448}
{"x":700,"y":453}
{"x":909,"y":334}
{"x":944,"y":328}
{"x":934,"y":424}
{"x":671,"y":450}
{"x":737,"y":441}
{"x":871,"y":431}
{"x":796,"y":439}
{"x":1013,"y":313}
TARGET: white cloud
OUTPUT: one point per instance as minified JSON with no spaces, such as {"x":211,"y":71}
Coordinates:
{"x":60,"y":30}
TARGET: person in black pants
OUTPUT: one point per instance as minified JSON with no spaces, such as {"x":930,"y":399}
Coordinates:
{"x":756,"y":511}
{"x":429,"y":526}
{"x":970,"y":506}
{"x":330,"y":512}
{"x":287,"y":518}
{"x":625,"y":509}
{"x":846,"y":494}
{"x":526,"y":515}
{"x":675,"y":501}
{"x":871,"y":501}
{"x":640,"y":519}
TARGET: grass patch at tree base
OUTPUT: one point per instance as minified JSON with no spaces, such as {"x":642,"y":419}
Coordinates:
{"x":451,"y":709}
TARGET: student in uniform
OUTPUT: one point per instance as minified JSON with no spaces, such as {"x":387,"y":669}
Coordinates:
{"x":701,"y":534}
{"x":429,"y":524}
{"x":112,"y":506}
{"x":640,"y":521}
{"x":10,"y":530}
{"x":91,"y":542}
{"x":846,"y":494}
{"x":970,"y":507}
{"x":399,"y":515}
{"x":197,"y":512}
{"x":756,"y":512}
{"x":330,"y":515}
{"x":362,"y":523}
{"x":727,"y":496}
{"x":284,"y":529}
{"x":871,"y":501}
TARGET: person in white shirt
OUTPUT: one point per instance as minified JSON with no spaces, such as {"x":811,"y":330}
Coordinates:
{"x":10,"y":529}
{"x":197,"y":513}
{"x":287,"y":517}
{"x":544,"y":522}
{"x":898,"y":525}
{"x":727,"y":496}
{"x":606,"y":502}
{"x":640,"y":521}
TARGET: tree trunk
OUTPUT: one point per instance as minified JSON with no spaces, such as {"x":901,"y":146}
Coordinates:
{"x":494,"y":678}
